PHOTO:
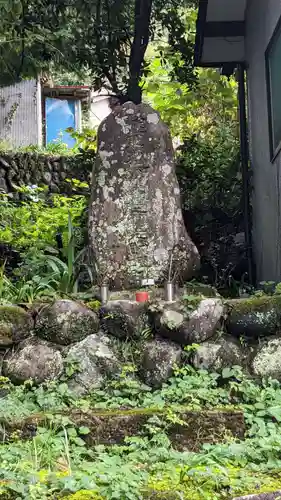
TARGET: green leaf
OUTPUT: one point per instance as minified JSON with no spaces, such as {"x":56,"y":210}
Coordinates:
{"x":84,"y":430}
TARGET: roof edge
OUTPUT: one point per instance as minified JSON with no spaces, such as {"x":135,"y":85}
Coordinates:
{"x":200,"y":27}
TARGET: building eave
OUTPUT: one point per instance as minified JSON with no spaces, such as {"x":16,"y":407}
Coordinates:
{"x":200,"y":27}
{"x":220,"y":32}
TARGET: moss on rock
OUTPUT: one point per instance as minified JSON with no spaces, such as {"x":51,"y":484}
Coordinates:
{"x":15,"y":325}
{"x":224,"y":352}
{"x":112,"y":427}
{"x":255,"y":303}
{"x":254,"y":316}
{"x":96,"y":361}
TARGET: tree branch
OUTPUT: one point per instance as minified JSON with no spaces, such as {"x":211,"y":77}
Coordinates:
{"x":101,"y":61}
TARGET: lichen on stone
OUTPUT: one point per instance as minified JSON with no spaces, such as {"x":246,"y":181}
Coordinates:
{"x":266,"y":362}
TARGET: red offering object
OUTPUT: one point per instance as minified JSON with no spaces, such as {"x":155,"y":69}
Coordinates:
{"x":142,"y":296}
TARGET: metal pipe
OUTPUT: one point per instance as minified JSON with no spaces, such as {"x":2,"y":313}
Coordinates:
{"x":169,"y":291}
{"x":244,"y":153}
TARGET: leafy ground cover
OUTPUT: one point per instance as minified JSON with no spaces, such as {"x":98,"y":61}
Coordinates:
{"x":56,"y":462}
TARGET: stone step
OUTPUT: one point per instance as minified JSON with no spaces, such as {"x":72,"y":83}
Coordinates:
{"x":191,"y":429}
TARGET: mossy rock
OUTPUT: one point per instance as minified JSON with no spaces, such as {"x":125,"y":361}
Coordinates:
{"x":189,"y":322}
{"x":157,"y":361}
{"x":125,"y":319}
{"x":34,"y":359}
{"x":223,"y":352}
{"x":15,"y":325}
{"x":95,"y":360}
{"x":65,"y":322}
{"x":254,"y":316}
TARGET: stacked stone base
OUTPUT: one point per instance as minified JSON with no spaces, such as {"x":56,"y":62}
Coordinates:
{"x":205,"y":332}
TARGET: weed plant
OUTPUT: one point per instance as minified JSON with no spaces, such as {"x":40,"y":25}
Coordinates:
{"x":56,"y":462}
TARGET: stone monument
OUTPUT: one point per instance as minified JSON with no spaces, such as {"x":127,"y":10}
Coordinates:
{"x":136,"y":229}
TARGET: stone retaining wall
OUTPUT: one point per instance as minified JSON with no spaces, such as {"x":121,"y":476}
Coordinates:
{"x":22,"y":169}
{"x":220,"y":335}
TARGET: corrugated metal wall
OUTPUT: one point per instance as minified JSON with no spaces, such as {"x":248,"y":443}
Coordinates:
{"x":21,"y":114}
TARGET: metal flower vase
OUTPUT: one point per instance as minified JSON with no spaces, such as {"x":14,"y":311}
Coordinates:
{"x":169,"y":291}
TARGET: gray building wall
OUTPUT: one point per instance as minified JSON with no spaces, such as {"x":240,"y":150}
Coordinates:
{"x":21,"y":114}
{"x":262,"y":17}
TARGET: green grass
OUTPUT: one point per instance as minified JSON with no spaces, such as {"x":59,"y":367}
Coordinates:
{"x":56,"y":462}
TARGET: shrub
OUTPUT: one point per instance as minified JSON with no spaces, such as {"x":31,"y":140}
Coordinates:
{"x":36,"y":223}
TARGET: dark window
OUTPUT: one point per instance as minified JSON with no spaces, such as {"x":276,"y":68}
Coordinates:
{"x":273,"y":67}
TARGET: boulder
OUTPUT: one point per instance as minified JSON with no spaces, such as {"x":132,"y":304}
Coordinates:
{"x":125,"y":319}
{"x":95,"y":360}
{"x":157,"y":361}
{"x":135,"y":217}
{"x":33,"y":359}
{"x":225,"y":352}
{"x":254,"y":317}
{"x":15,"y":325}
{"x":66,"y":322}
{"x":267,"y":361}
{"x":186,"y":327}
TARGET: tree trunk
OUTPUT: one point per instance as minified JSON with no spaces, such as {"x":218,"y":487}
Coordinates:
{"x":141,"y":38}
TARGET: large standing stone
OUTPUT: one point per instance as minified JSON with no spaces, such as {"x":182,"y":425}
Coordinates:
{"x":65,"y":322}
{"x":135,"y":218}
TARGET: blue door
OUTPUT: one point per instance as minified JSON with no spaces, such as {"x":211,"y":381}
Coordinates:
{"x":60,"y":115}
